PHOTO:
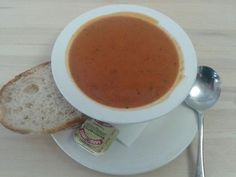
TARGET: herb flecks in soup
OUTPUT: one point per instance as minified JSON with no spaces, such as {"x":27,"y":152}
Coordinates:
{"x":123,"y":61}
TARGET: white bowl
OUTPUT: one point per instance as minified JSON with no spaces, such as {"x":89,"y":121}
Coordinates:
{"x":101,"y":112}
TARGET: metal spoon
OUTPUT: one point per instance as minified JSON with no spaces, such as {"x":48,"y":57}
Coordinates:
{"x":203,"y":95}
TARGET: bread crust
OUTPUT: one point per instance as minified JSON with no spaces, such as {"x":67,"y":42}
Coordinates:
{"x":22,"y":75}
{"x":70,"y":123}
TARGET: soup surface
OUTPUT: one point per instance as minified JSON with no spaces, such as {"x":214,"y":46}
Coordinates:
{"x":123,"y":61}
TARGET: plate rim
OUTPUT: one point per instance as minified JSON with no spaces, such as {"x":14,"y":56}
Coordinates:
{"x":169,"y":159}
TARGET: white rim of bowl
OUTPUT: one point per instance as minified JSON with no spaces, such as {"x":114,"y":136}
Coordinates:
{"x":104,"y":113}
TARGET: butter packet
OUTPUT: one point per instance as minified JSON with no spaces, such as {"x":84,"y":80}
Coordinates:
{"x":95,"y":136}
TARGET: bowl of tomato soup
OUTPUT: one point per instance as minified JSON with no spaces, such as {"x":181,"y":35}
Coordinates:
{"x":124,"y":64}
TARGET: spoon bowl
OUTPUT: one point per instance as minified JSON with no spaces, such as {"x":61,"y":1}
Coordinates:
{"x":206,"y":90}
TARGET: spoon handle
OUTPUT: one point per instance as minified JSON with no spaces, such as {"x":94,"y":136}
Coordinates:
{"x":200,"y":162}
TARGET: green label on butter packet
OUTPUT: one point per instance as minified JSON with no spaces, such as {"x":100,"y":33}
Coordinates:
{"x":95,"y":136}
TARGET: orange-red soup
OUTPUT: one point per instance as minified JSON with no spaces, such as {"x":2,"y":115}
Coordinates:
{"x":123,"y":61}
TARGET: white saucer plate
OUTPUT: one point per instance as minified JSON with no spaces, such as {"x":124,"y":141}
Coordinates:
{"x":160,"y":142}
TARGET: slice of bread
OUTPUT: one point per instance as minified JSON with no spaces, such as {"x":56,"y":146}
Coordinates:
{"x":31,"y":103}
